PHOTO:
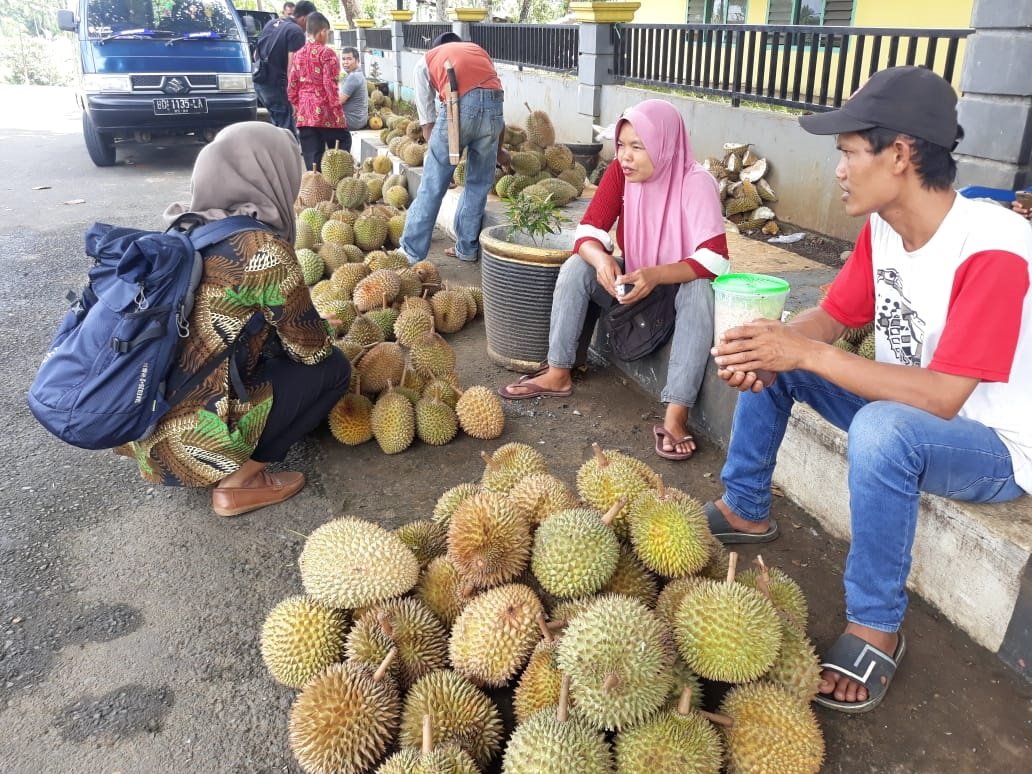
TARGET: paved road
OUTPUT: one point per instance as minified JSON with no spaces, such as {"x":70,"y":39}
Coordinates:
{"x":129,"y":614}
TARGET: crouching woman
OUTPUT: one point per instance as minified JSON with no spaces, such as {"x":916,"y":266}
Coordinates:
{"x":666,"y":209}
{"x":283,"y":375}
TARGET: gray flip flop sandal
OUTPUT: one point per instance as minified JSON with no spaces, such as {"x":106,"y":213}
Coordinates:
{"x":727,"y":534}
{"x":861,"y":662}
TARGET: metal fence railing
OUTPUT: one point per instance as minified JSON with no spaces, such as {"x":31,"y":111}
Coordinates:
{"x":344,"y":38}
{"x":809,"y":67}
{"x":418,"y":35}
{"x":545,"y":47}
{"x":378,"y":38}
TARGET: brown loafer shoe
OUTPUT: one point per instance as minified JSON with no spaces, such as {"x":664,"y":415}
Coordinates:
{"x":267,"y":489}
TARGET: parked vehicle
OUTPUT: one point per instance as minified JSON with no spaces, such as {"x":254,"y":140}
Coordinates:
{"x":154,"y":68}
{"x":254,"y":23}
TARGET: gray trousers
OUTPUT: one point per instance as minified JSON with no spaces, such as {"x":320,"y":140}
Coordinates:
{"x":577,"y":291}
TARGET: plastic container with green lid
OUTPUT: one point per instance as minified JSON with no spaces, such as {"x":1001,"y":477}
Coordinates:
{"x":742,"y":298}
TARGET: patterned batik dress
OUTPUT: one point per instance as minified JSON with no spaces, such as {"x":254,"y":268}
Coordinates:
{"x":312,"y":87}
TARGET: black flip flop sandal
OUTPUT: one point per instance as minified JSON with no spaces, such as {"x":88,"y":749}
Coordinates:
{"x":727,"y":534}
{"x":861,"y":662}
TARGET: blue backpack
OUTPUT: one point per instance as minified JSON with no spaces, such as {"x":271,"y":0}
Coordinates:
{"x":102,"y":383}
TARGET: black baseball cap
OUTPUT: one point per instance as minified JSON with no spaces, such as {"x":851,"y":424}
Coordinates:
{"x":445,"y":37}
{"x":909,"y":100}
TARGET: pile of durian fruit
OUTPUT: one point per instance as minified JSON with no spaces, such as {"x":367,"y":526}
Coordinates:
{"x":389,"y":317}
{"x":745,"y":192}
{"x":597,"y":612}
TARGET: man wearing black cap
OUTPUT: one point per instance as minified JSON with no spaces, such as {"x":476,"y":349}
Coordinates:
{"x":274,"y":50}
{"x":943,"y":408}
{"x":481,"y":124}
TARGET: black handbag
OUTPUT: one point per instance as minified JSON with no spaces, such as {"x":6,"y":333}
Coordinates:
{"x":636,"y":330}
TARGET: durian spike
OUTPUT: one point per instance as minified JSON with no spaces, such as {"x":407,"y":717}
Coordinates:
{"x":612,"y":680}
{"x":385,"y":624}
{"x":600,"y":455}
{"x":684,"y":704}
{"x":489,"y":461}
{"x":542,"y":623}
{"x":428,"y":734}
{"x":732,"y":564}
{"x":385,"y":665}
{"x":613,"y":511}
{"x":563,"y":713}
{"x":716,"y":717}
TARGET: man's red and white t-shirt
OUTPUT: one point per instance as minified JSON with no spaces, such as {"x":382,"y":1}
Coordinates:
{"x":959,"y":305}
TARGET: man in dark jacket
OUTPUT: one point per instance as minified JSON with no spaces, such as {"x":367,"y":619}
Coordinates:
{"x":275,"y":48}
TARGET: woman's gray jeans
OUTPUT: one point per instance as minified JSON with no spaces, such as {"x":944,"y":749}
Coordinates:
{"x":576,"y":293}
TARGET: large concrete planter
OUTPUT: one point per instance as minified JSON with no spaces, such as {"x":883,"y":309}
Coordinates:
{"x":518,"y":278}
{"x":604,"y":12}
{"x":402,"y":16}
{"x":468,"y":14}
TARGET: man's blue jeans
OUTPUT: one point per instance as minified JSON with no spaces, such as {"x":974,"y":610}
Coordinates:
{"x":274,"y":97}
{"x":895,"y":453}
{"x":480,"y":125}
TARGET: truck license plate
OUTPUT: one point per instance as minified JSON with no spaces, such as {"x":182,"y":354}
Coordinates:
{"x":167,"y":106}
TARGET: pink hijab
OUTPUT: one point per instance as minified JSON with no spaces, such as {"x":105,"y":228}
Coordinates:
{"x":668,"y":216}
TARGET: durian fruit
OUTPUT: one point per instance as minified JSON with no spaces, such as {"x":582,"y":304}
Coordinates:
{"x":446,"y":759}
{"x":472,"y":307}
{"x":334,"y":255}
{"x":393,"y":421}
{"x":380,"y":366}
{"x":406,"y":625}
{"x":385,"y":317}
{"x":436,"y":422}
{"x":727,"y":631}
{"x":365,"y":331}
{"x":518,"y":184}
{"x":341,"y":311}
{"x":480,"y":413}
{"x":380,"y":287}
{"x":443,"y":590}
{"x":856,"y":335}
{"x":553,"y":742}
{"x":493,"y":636}
{"x":670,"y":534}
{"x":349,"y":563}
{"x":566,"y":610}
{"x":337,"y":231}
{"x":312,"y":218}
{"x":411,"y":324}
{"x":681,"y":740}
{"x":459,"y":175}
{"x":370,"y":232}
{"x":509,"y":464}
{"x":346,"y":277}
{"x":382,"y":165}
{"x":867,"y":347}
{"x":381,"y":259}
{"x":632,"y":579}
{"x":684,"y":678}
{"x":413,"y":154}
{"x":352,"y":192}
{"x":539,"y":128}
{"x":538,"y":495}
{"x":314,"y":189}
{"x":450,"y":499}
{"x":312,"y":266}
{"x":770,"y":731}
{"x":393,"y":180}
{"x":575,"y":553}
{"x":300,"y":638}
{"x":410,"y":286}
{"x":350,"y":419}
{"x":450,"y":311}
{"x":558,"y":158}
{"x":779,"y":588}
{"x":460,"y":713}
{"x":345,"y":216}
{"x":797,"y":668}
{"x":345,"y":719}
{"x":426,"y":538}
{"x":618,"y":655}
{"x":488,"y":540}
{"x":575,"y":179}
{"x":671,"y":596}
{"x":524,"y":163}
{"x":514,"y":136}
{"x":608,"y":477}
{"x":501,"y":187}
{"x":539,"y":685}
{"x":428,"y":273}
{"x":305,"y":238}
{"x":397,"y":196}
{"x":395,"y":229}
{"x":337,"y":164}
{"x":442,"y":390}
{"x":432,"y":356}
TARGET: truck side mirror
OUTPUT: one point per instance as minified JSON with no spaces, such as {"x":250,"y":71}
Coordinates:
{"x":66,"y":21}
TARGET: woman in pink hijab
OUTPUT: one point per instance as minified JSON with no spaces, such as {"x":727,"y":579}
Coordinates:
{"x":666,"y":209}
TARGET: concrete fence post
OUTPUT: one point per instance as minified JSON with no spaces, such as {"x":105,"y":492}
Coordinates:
{"x":360,"y":41}
{"x":461,"y":29}
{"x":397,"y":46}
{"x":594,"y":69}
{"x":996,"y":107}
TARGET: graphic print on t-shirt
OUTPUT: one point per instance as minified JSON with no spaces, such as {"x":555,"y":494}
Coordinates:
{"x":896,"y":318}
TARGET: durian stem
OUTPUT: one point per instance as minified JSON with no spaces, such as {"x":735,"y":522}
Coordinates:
{"x":600,"y":455}
{"x":489,"y":461}
{"x":612,"y":680}
{"x":314,"y":167}
{"x":732,"y":564}
{"x":563,"y":713}
{"x":543,"y":626}
{"x":385,"y":665}
{"x":660,"y":489}
{"x":468,"y":590}
{"x":383,"y":301}
{"x":556,"y":625}
{"x":336,"y":145}
{"x":527,"y":105}
{"x":385,"y":625}
{"x":358,"y":383}
{"x":716,"y":717}
{"x":763,"y":579}
{"x":614,"y":511}
{"x":684,"y":704}
{"x":428,"y":734}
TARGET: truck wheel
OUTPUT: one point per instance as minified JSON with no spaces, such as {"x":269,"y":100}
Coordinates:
{"x":100,"y":146}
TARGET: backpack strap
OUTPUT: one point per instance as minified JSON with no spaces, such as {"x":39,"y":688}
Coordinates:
{"x":216,"y":231}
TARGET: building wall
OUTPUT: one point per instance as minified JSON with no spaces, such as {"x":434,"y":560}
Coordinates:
{"x":931,"y":14}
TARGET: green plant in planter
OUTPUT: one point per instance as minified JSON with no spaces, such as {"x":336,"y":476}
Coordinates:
{"x":534,"y":217}
{"x":374,"y":71}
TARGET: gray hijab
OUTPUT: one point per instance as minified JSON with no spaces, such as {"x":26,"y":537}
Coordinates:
{"x":251,"y":168}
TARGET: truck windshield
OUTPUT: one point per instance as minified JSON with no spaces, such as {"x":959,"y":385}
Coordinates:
{"x":162,"y":19}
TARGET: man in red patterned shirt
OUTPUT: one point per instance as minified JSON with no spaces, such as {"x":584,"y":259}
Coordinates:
{"x":312,"y":90}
